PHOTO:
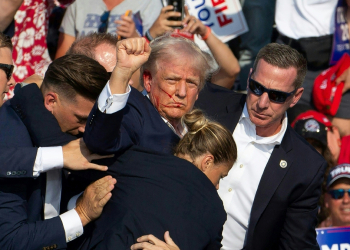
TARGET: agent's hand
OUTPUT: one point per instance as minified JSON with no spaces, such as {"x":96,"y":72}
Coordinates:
{"x":76,"y":156}
{"x":162,"y":24}
{"x":151,"y":242}
{"x":131,"y":54}
{"x":96,"y":195}
{"x":192,"y":25}
{"x":126,"y":27}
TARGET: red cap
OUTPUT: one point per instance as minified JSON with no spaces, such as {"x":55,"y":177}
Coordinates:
{"x":312,"y":114}
{"x":326,"y":94}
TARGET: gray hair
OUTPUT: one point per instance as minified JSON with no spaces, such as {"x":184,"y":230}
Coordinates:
{"x":168,"y":47}
{"x":284,"y":57}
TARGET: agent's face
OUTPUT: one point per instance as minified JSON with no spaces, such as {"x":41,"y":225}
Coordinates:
{"x":173,"y":88}
{"x":216,"y":172}
{"x":72,"y":116}
{"x":5,"y":83}
{"x":265,"y":114}
{"x":339,"y":208}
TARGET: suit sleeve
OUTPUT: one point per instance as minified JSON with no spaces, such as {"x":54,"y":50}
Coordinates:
{"x":298,"y":231}
{"x":42,"y":126}
{"x":17,"y":162}
{"x":17,"y":233}
{"x":116,"y":132}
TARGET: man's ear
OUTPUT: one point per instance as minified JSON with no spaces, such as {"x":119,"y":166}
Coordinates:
{"x":50,"y":101}
{"x":207,"y":162}
{"x":147,"y":80}
{"x":297,"y":97}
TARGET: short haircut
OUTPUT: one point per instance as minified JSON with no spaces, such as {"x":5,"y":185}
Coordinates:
{"x":168,"y":48}
{"x":86,"y":45}
{"x":75,"y":74}
{"x":5,"y":41}
{"x":284,"y":57}
{"x":206,"y":136}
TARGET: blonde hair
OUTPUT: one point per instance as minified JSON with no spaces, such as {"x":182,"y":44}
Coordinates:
{"x":206,"y":136}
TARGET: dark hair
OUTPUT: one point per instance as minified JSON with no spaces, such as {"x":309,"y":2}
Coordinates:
{"x":86,"y":45}
{"x":283,"y":56}
{"x":75,"y":74}
{"x":5,"y":41}
{"x":206,"y":136}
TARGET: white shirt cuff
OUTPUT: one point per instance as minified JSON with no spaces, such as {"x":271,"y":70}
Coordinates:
{"x":73,"y":201}
{"x":72,"y":225}
{"x":108,"y":103}
{"x":47,"y":158}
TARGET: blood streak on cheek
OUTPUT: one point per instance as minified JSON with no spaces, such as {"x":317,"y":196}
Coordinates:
{"x":171,"y":97}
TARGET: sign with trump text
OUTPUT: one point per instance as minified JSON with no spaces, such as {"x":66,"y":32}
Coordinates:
{"x":224,"y":17}
{"x":335,"y":238}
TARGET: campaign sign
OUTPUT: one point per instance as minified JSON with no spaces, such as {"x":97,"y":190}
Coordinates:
{"x":341,"y":33}
{"x":335,"y":238}
{"x":224,"y":17}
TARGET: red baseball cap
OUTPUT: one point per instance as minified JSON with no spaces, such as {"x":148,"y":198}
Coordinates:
{"x":326,"y":93}
{"x":312,"y":124}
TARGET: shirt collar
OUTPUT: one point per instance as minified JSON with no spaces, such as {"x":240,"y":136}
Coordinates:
{"x":182,"y":128}
{"x":275,"y":139}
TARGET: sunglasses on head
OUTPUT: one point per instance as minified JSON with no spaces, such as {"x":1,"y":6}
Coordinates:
{"x":8,"y":68}
{"x":274,"y":95}
{"x":338,"y":193}
{"x":104,"y":22}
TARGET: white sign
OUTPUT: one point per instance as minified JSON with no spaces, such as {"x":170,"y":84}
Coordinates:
{"x":224,"y":17}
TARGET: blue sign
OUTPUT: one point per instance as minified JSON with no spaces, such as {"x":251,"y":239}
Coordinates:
{"x":341,"y":33}
{"x":335,"y":238}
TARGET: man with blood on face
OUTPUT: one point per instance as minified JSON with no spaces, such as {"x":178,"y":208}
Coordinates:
{"x":173,"y":72}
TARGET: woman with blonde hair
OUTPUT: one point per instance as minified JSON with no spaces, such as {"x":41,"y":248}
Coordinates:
{"x":158,"y":192}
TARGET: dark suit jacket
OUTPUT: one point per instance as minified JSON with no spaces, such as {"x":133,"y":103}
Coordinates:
{"x":284,"y":210}
{"x":22,"y":199}
{"x":139,"y":123}
{"x":157,"y":192}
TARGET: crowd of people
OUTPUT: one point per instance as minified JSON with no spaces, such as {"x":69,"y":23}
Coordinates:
{"x":118,"y":132}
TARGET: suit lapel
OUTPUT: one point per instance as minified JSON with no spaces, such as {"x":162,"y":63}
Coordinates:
{"x":233,"y":112}
{"x":273,"y":174}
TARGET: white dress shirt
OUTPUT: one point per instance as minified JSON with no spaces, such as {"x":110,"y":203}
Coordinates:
{"x":238,"y":189}
{"x":305,"y":18}
{"x":49,"y":160}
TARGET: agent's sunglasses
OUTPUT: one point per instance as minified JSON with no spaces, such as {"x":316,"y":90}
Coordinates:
{"x":274,"y":95}
{"x":338,"y":193}
{"x":104,"y":22}
{"x":8,"y":68}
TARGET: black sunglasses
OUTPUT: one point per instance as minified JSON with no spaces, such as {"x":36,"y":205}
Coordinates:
{"x":8,"y":68}
{"x":338,"y":193}
{"x":104,"y":22}
{"x":274,"y":95}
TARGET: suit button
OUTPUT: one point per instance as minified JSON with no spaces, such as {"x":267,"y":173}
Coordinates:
{"x":14,"y":172}
{"x":24,"y":172}
{"x":8,"y":173}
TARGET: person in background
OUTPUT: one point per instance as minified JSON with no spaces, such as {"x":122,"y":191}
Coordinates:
{"x":337,"y":196}
{"x":83,"y":17}
{"x":8,"y":11}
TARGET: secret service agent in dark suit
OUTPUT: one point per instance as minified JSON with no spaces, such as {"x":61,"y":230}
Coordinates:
{"x":22,"y":199}
{"x":158,"y":192}
{"x":283,"y":213}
